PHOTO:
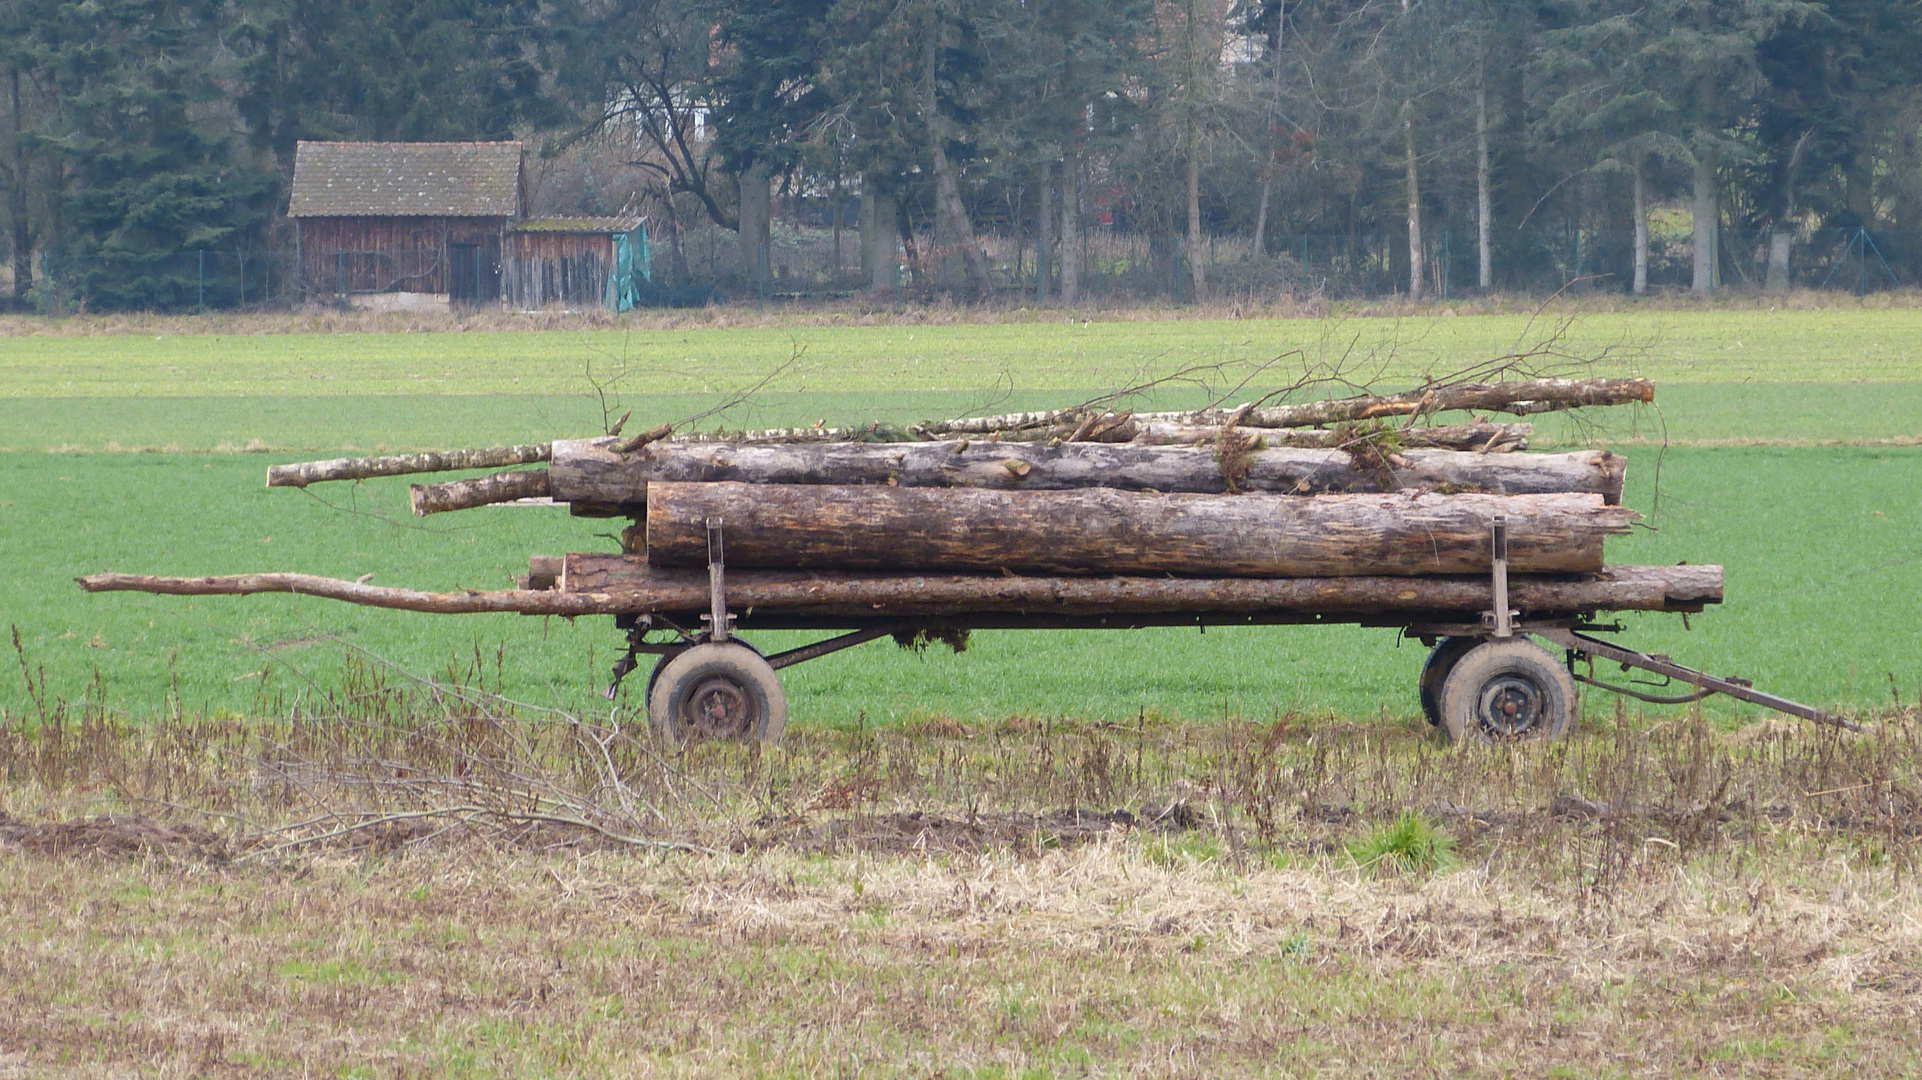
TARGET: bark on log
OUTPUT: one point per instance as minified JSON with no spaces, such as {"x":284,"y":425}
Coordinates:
{"x":302,"y":473}
{"x":1521,"y":397}
{"x":616,"y":584}
{"x":631,"y":581}
{"x":591,"y":471}
{"x":480,"y":491}
{"x":1481,"y":438}
{"x":1117,"y":532}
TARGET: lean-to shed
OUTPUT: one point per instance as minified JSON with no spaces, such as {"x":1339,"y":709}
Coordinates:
{"x":576,"y":261}
{"x":398,"y":225}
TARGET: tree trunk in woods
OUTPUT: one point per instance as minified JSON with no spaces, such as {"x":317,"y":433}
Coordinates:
{"x":1277,"y":36}
{"x":757,"y":199}
{"x":588,"y":471}
{"x":1116,"y":532}
{"x":1414,"y":200}
{"x":1778,"y":271}
{"x":799,"y":592}
{"x":1197,"y":275}
{"x":17,"y":203}
{"x":866,"y":243}
{"x":882,"y":243}
{"x":1637,"y":165}
{"x":615,"y":585}
{"x":947,"y":195}
{"x":1484,"y":193}
{"x":1043,"y":225}
{"x":1071,"y":227}
{"x":1707,"y":217}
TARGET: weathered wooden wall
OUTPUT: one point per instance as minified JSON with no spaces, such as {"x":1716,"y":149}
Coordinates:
{"x":543,"y":267}
{"x":456,"y":256}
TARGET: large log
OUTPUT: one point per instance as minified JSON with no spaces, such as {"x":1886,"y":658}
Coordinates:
{"x":617,"y":584}
{"x":1118,"y":532}
{"x":631,"y":581}
{"x":302,"y":473}
{"x":590,"y":470}
{"x":1521,"y":397}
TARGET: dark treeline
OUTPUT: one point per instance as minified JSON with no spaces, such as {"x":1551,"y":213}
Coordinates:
{"x":1501,"y":145}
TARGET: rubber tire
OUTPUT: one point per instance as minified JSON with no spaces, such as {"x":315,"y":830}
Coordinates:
{"x":1441,"y":660}
{"x":738,"y":667}
{"x":1528,"y":668}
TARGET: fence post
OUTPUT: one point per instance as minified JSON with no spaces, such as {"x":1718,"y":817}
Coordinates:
{"x":203,"y":281}
{"x":760,"y":272}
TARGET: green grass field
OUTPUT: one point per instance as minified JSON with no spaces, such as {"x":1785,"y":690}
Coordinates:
{"x":1786,"y":464}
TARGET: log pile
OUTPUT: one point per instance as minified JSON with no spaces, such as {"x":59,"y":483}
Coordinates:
{"x":1353,"y":505}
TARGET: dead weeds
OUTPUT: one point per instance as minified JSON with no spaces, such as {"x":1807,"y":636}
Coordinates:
{"x":422,"y":879}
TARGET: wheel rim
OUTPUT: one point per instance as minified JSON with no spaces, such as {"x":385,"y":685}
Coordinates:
{"x":1511,"y":706}
{"x":720,"y":708}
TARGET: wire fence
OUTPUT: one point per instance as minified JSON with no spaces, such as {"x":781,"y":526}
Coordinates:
{"x":804,"y":262}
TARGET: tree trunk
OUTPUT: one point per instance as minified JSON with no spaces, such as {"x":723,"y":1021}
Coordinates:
{"x":1483,"y":438}
{"x":1521,"y":397}
{"x":829,"y":593}
{"x":17,"y":204}
{"x":618,"y":585}
{"x":1484,"y":195}
{"x":883,"y":247}
{"x":302,"y":473}
{"x":1043,"y":225}
{"x":1707,"y":216}
{"x":1778,"y":271}
{"x":480,"y":491}
{"x":1116,"y":532}
{"x":1637,"y":174}
{"x":1414,"y":202}
{"x":756,"y":207}
{"x":588,"y":471}
{"x":1197,"y":275}
{"x":1071,"y":227}
{"x":867,"y":231}
{"x":946,"y":195}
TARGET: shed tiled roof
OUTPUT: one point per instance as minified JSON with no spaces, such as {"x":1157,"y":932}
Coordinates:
{"x":578,"y":224}
{"x":392,"y":179}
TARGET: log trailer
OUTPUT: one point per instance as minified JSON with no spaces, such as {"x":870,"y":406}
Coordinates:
{"x":1493,"y":560}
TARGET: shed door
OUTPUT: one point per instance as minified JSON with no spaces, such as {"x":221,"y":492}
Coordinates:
{"x":474,"y":272}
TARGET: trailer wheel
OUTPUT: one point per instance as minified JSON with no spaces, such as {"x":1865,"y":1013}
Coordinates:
{"x":1510,"y":689}
{"x":1441,"y":660}
{"x":717,"y":691}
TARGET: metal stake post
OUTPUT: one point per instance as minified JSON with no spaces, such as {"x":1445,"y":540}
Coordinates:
{"x":1503,"y":619}
{"x":717,"y":618}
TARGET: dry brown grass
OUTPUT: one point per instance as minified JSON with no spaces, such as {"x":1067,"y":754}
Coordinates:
{"x":861,"y":311}
{"x":419,"y":879}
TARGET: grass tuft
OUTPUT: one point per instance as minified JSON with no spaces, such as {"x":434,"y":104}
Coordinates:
{"x":1410,"y":845}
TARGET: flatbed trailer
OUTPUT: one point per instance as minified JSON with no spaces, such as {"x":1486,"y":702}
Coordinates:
{"x":1492,"y":673}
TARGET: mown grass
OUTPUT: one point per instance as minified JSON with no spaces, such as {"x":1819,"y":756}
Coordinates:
{"x":1670,"y":346}
{"x":1819,"y":540}
{"x":1820,"y":546}
{"x":1797,"y":413}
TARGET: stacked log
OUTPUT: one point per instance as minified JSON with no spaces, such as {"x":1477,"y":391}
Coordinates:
{"x":1104,"y":531}
{"x":591,"y":470}
{"x":627,"y":585}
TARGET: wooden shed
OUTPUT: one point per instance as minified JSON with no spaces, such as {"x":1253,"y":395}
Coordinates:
{"x":399,"y":225}
{"x":575,"y":261}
